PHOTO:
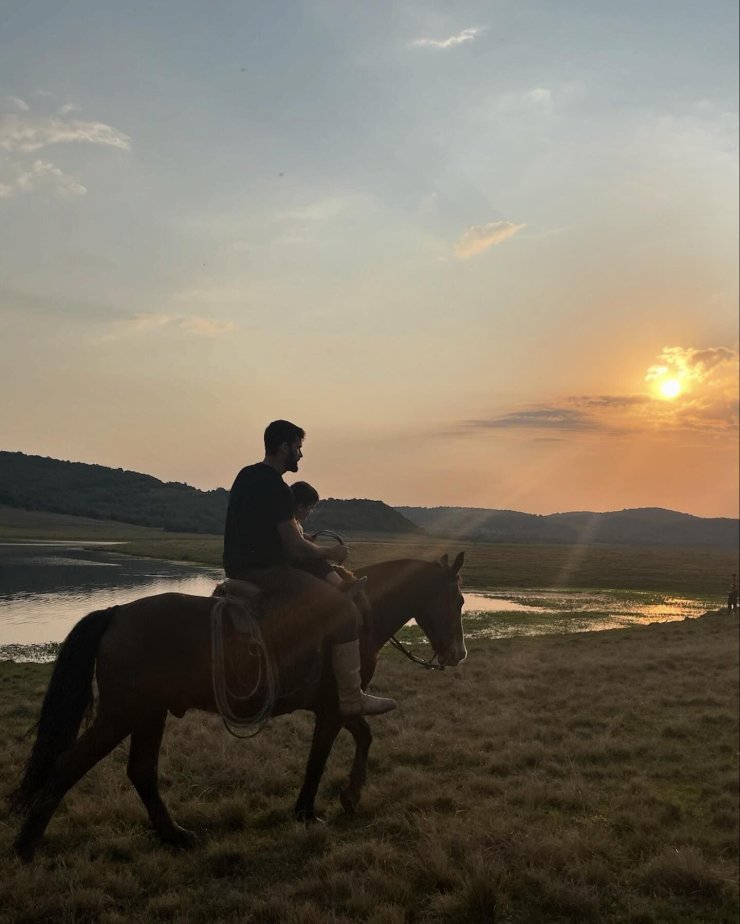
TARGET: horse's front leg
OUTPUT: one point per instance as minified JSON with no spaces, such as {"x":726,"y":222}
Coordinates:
{"x":325,"y":733}
{"x":360,"y":731}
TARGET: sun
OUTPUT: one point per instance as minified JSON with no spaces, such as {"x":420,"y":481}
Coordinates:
{"x":670,"y":388}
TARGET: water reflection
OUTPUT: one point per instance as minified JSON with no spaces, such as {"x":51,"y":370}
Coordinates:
{"x":542,"y":611}
{"x":45,"y":588}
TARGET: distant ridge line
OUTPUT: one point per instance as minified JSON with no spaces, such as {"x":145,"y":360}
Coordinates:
{"x":100,"y":492}
{"x":103,"y":493}
{"x":631,"y":526}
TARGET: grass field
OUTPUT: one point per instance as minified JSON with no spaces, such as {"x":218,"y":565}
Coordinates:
{"x":588,"y":777}
{"x":488,"y":566}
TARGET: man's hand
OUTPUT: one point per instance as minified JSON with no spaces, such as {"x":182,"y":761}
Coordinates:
{"x":298,"y":547}
{"x":338,"y":553}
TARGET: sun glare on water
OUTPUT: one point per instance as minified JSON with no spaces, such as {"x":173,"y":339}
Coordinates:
{"x":670,"y":388}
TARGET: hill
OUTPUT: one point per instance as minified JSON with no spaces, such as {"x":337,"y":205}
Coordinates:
{"x":642,"y":526}
{"x":37,"y":483}
{"x":359,"y":516}
{"x":101,"y":493}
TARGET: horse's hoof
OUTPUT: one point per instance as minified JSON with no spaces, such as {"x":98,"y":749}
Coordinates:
{"x":308,"y":818}
{"x":181,"y":838}
{"x":349,"y":803}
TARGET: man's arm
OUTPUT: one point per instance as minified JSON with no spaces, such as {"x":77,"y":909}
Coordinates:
{"x":298,"y":547}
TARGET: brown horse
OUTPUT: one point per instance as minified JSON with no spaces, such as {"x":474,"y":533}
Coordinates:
{"x":154,"y":655}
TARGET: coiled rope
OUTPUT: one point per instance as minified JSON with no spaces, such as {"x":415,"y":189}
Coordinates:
{"x":251,"y":645}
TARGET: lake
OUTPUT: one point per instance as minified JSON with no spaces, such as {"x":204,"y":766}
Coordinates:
{"x":45,"y":587}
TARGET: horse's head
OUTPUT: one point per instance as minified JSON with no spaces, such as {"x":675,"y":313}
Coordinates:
{"x":441,"y":618}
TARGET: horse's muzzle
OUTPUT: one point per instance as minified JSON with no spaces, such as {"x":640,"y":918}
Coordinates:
{"x":452,"y":656}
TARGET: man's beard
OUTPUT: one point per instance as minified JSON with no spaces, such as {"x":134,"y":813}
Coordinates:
{"x":292,"y":462}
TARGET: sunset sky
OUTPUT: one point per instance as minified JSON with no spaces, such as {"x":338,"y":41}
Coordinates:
{"x":485,"y":253}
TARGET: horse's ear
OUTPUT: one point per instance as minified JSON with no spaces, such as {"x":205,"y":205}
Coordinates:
{"x":445,"y":560}
{"x":458,"y":563}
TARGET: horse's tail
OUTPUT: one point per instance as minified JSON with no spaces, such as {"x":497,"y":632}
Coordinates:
{"x":68,"y":696}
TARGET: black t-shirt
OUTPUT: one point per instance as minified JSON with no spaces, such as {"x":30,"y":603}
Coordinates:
{"x":259,"y":500}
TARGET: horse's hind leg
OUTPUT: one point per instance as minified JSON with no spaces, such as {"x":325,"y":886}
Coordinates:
{"x":360,"y":730}
{"x":146,"y":738}
{"x":100,"y":739}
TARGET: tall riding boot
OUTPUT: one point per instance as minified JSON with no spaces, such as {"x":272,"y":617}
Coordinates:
{"x":345,"y":659}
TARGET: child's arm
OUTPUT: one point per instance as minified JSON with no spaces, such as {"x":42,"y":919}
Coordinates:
{"x":299,"y":547}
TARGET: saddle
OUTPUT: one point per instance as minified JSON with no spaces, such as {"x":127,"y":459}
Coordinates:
{"x":243,"y":600}
{"x":245,"y":593}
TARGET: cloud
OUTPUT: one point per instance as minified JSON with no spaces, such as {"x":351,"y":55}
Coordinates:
{"x":25,"y":133}
{"x":320,"y":211}
{"x":690,"y":364}
{"x":540,"y":96}
{"x":23,"y":178}
{"x":467,"y":35}
{"x":719,"y":414}
{"x":206,"y":327}
{"x":540,"y":418}
{"x":480,"y":237}
{"x":609,"y":401}
{"x":200,"y":327}
{"x":707,"y":403}
{"x":14,"y":102}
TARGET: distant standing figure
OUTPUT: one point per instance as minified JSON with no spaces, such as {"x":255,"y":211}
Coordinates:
{"x":732,"y":595}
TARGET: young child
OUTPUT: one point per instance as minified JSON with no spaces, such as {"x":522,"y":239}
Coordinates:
{"x":306,"y":497}
{"x":346,"y":658}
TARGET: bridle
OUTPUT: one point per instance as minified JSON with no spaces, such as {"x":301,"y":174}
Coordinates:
{"x":429,"y":665}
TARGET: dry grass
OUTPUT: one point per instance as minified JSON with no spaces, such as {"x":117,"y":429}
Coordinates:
{"x":581,"y":778}
{"x":488,"y":566}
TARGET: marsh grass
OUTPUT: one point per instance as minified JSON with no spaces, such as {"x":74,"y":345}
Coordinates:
{"x":587,"y":777}
{"x":702,"y":572}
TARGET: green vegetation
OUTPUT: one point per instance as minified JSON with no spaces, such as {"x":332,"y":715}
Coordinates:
{"x":34,"y":483}
{"x":95,"y":491}
{"x":488,"y":566}
{"x":19,"y":524}
{"x":587,"y":777}
{"x":641,"y":526}
{"x":358,"y":516}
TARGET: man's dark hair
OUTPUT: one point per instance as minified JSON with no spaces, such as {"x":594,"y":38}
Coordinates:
{"x":304,"y":493}
{"x":279,"y":432}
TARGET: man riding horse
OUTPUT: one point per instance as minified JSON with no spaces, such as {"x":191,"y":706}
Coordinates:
{"x":263,"y":545}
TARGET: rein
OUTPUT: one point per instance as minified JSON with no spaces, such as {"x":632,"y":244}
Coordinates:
{"x":429,"y":665}
{"x":412,"y":657}
{"x":331,"y":534}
